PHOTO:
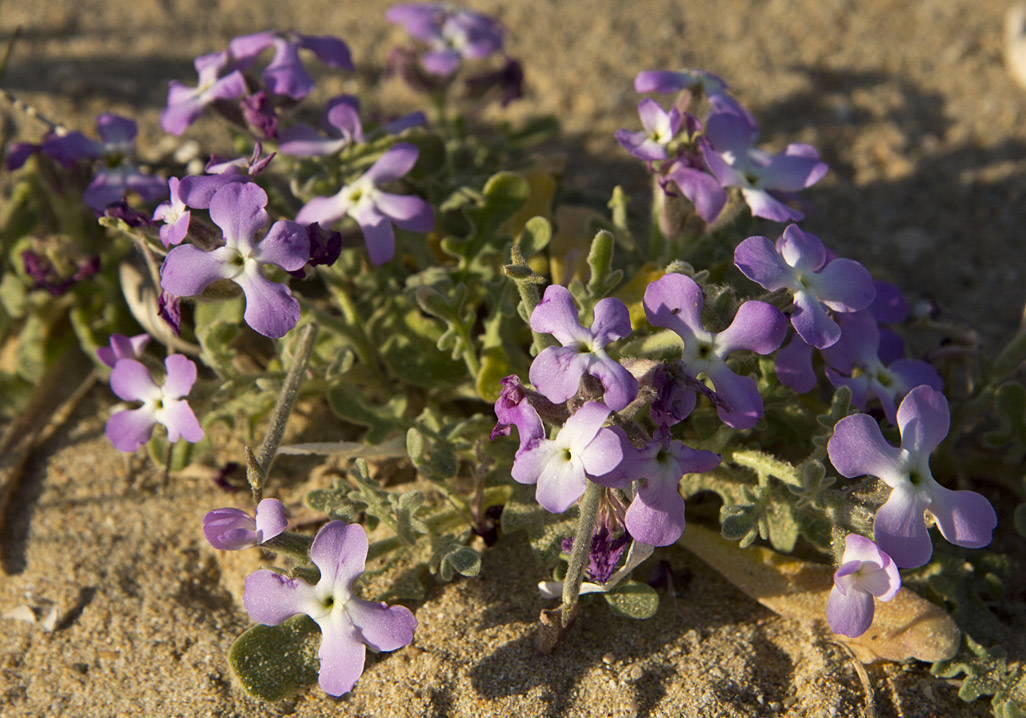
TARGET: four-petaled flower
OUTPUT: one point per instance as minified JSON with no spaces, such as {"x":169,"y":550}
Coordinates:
{"x":186,"y":104}
{"x":231,"y":529}
{"x":453,"y":34}
{"x":858,"y":448}
{"x":348,"y":624}
{"x":166,"y":404}
{"x":238,"y":209}
{"x":556,"y":372}
{"x":865,"y":572}
{"x":561,"y":466}
{"x":285,"y":74}
{"x":374,"y":210}
{"x":122,"y":347}
{"x":799,"y":262}
{"x":118,"y":175}
{"x":675,"y":302}
{"x":660,"y":128}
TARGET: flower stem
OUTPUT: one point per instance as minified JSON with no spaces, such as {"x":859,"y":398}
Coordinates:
{"x":582,"y":548}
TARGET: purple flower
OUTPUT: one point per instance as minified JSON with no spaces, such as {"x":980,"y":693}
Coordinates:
{"x":793,"y":364}
{"x":169,"y":308}
{"x":174,"y":214}
{"x":117,"y":176}
{"x":856,"y":354}
{"x":56,"y":280}
{"x":673,"y":401}
{"x":656,"y":515}
{"x":122,"y":347}
{"x":696,"y":82}
{"x":660,"y":128}
{"x":452,"y":34}
{"x":675,"y":302}
{"x":799,"y":262}
{"x":561,"y":466}
{"x":186,"y":104}
{"x":865,"y":572}
{"x":604,"y":553}
{"x":285,"y":75}
{"x":513,"y":409}
{"x":166,"y":404}
{"x":342,"y":122}
{"x":231,"y":529}
{"x":700,"y":187}
{"x":556,"y":372}
{"x":857,"y":448}
{"x":374,"y":210}
{"x":238,"y":209}
{"x":757,"y":174}
{"x":348,"y":624}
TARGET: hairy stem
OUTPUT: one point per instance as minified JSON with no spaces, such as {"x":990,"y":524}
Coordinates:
{"x":581,"y":550}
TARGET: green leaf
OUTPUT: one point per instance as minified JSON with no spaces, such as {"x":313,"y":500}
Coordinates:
{"x":273,"y":662}
{"x":334,"y":502}
{"x":408,"y":524}
{"x":536,"y":235}
{"x":449,"y":556}
{"x":347,"y":401}
{"x":217,"y":325}
{"x":408,"y":345}
{"x":631,"y":599}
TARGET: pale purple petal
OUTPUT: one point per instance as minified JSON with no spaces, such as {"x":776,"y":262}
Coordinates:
{"x":763,"y":204}
{"x":603,"y":454}
{"x":229,"y":529}
{"x":581,"y":428}
{"x":662,"y":81}
{"x":122,"y":347}
{"x":794,"y":366}
{"x":758,"y":260}
{"x":381,"y":627}
{"x":130,"y":429}
{"x":323,"y":210}
{"x":180,"y":421}
{"x":556,"y":314}
{"x":674,"y":302}
{"x":271,"y":309}
{"x":378,"y":235}
{"x":965,"y":518}
{"x":849,"y":615}
{"x":330,"y":50}
{"x":285,"y":74}
{"x":883,"y":583}
{"x":116,"y":130}
{"x":757,"y":326}
{"x":441,"y":62}
{"x":176,"y":232}
{"x":238,"y":209}
{"x":181,"y":375}
{"x":187,"y":271}
{"x":740,"y":394}
{"x":858,"y":448}
{"x":270,"y":518}
{"x":533,"y":461}
{"x":339,"y":550}
{"x":812,"y":322}
{"x":923,"y":419}
{"x":270,"y":598}
{"x":407,"y":211}
{"x":702,"y":189}
{"x":612,"y":321}
{"x":556,"y":372}
{"x":392,"y":165}
{"x":286,"y":245}
{"x":131,"y":381}
{"x":900,"y":529}
{"x":560,"y":485}
{"x":790,"y":173}
{"x":844,"y":285}
{"x":656,"y":516}
{"x":641,"y":145}
{"x":889,"y":305}
{"x":197,"y":191}
{"x":729,"y":133}
{"x":620,"y":385}
{"x":302,"y":140}
{"x":342,"y":656}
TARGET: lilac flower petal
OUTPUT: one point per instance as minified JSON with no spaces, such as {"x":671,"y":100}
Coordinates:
{"x":612,"y":321}
{"x":662,"y":81}
{"x":330,"y":50}
{"x":965,"y":518}
{"x":656,"y":516}
{"x":378,"y":235}
{"x":844,"y":285}
{"x":381,"y":627}
{"x":858,"y":448}
{"x":900,"y":529}
{"x":923,"y":419}
{"x":641,"y":145}
{"x":69,"y":148}
{"x":757,"y":326}
{"x":229,"y":529}
{"x":407,"y":211}
{"x":763,"y":204}
{"x":792,"y":173}
{"x":187,"y":271}
{"x":122,"y":347}
{"x":674,"y":302}
{"x":758,"y":260}
{"x":652,"y":115}
{"x":414,"y":119}
{"x":889,"y":305}
{"x":131,"y":381}
{"x":130,"y":429}
{"x":620,"y":385}
{"x":812,"y":322}
{"x":532,"y":462}
{"x":741,"y":395}
{"x":18,"y":154}
{"x":270,"y":518}
{"x":892,"y":348}
{"x":556,"y":372}
{"x":238,"y":209}
{"x":849,"y":615}
{"x":342,"y":657}
{"x":702,"y":189}
{"x":556,"y":314}
{"x":270,"y":598}
{"x":302,"y":140}
{"x":441,"y":62}
{"x":584,"y":425}
{"x":271,"y":309}
{"x":794,"y":366}
{"x":287,"y":245}
{"x":340,"y":550}
{"x":323,"y":210}
{"x":180,"y":421}
{"x":246,"y":48}
{"x":560,"y":485}
{"x":116,"y":130}
{"x":233,"y":539}
{"x":801,"y":250}
{"x":197,"y":191}
{"x":176,"y":232}
{"x":285,"y":74}
{"x":729,"y":133}
{"x":181,"y":375}
{"x":603,"y":453}
{"x":392,"y":165}
{"x":883,"y":584}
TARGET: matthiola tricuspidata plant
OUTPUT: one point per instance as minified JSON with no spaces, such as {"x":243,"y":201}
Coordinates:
{"x":393,"y":266}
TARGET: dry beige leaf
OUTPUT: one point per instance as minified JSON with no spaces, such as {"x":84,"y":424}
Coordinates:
{"x":906,"y":627}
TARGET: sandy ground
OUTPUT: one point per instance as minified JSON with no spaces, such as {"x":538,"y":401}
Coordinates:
{"x":909,"y":103}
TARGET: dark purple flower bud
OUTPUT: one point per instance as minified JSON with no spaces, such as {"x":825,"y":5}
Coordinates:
{"x":170,"y":310}
{"x":259,"y":114}
{"x":605,"y":552}
{"x":123,"y":211}
{"x":325,"y":248}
